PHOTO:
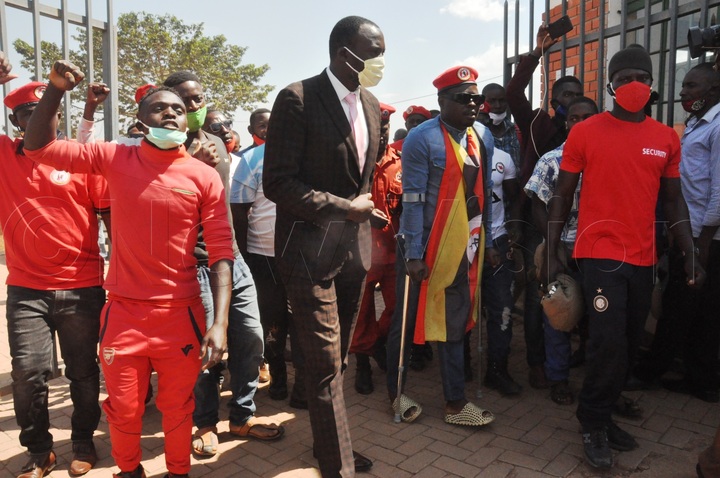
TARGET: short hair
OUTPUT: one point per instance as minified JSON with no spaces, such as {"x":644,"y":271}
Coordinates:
{"x":564,"y":81}
{"x":584,"y":100}
{"x":180,"y":77}
{"x":344,"y":31}
{"x":134,"y":125}
{"x":492,"y":86}
{"x":152,"y":91}
{"x":256,"y":113}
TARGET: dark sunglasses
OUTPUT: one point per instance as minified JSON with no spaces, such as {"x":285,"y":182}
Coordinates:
{"x":466,"y":98}
{"x":218,"y":127}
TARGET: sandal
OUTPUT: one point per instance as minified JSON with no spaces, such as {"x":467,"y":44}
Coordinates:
{"x":471,"y":415}
{"x":251,"y":429}
{"x":407,"y":408}
{"x":561,"y":393}
{"x":205,"y":441}
{"x":628,"y":408}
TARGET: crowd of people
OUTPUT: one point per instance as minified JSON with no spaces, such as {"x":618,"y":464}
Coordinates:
{"x":222,"y":254}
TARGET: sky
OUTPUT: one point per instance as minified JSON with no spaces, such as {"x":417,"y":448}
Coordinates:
{"x":422,"y":38}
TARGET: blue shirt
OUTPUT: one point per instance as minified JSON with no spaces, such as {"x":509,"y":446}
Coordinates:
{"x":700,"y":170}
{"x":508,"y":141}
{"x":423,"y":164}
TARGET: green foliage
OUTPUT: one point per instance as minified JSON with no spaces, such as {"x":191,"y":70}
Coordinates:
{"x":151,"y":47}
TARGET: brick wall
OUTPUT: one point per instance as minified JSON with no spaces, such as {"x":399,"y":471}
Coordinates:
{"x":572,"y":57}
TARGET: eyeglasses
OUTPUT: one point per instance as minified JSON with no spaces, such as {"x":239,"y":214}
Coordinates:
{"x":466,"y":98}
{"x":218,"y":126}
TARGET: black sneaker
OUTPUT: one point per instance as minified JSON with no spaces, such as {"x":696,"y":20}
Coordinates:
{"x":498,"y":378}
{"x":619,"y":439}
{"x":597,"y":448}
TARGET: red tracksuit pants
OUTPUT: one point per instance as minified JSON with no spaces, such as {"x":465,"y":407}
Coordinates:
{"x":136,"y":338}
{"x":367,"y":328}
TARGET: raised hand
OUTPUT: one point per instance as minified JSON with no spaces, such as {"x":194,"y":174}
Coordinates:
{"x":65,"y":76}
{"x":5,"y":68}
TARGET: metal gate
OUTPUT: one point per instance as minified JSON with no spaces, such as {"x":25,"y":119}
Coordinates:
{"x":67,"y":18}
{"x":603,"y":27}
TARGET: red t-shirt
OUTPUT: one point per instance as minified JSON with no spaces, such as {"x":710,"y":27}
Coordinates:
{"x":158,"y":200}
{"x":49,"y":223}
{"x":622,"y":163}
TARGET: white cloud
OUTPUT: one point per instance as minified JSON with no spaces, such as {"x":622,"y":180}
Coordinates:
{"x":484,"y":10}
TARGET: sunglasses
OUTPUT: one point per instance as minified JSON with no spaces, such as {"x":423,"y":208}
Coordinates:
{"x":466,"y":98}
{"x":218,"y":127}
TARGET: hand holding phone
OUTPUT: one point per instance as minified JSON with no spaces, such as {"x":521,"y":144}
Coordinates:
{"x":560,"y":27}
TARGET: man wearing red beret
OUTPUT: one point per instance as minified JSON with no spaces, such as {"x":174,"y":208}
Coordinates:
{"x":444,"y":170}
{"x":370,"y":334}
{"x":413,"y":116}
{"x":44,"y":211}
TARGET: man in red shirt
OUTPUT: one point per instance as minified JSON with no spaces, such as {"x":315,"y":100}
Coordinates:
{"x":370,"y":333}
{"x":154,"y":318}
{"x":55,"y":274}
{"x":614,"y":246}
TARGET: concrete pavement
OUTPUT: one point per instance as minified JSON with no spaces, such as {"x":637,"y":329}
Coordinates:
{"x":531,"y":435}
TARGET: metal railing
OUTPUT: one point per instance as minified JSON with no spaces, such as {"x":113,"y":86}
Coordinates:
{"x":67,"y":18}
{"x":658,"y":25}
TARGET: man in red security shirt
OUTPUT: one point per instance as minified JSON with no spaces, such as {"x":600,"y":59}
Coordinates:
{"x":615,"y":246}
{"x":154,"y":317}
{"x":370,"y":333}
{"x":55,"y":274}
{"x":413,"y":116}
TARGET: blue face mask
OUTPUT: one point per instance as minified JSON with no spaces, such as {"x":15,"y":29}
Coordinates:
{"x":166,"y":138}
{"x":561,"y":111}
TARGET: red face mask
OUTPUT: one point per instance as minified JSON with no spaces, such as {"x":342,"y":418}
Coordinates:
{"x":258,"y":140}
{"x":231,"y":145}
{"x":691,"y":106}
{"x":633,"y":96}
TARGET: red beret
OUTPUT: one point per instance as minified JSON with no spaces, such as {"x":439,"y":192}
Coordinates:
{"x":457,"y":75}
{"x":142,"y":91}
{"x":484,"y":108}
{"x":386,"y":111}
{"x":25,"y":95}
{"x":416,"y":110}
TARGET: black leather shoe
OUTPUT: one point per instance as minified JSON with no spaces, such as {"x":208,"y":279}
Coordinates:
{"x":619,"y":439}
{"x":498,"y":378}
{"x":84,"y":458}
{"x":362,"y":463}
{"x":597,"y":448}
{"x":39,"y":465}
{"x":138,"y":472}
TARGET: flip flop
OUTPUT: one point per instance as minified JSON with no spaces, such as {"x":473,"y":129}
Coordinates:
{"x":251,"y":430}
{"x":471,"y":415}
{"x":406,"y":406}
{"x":561,"y":394}
{"x":205,"y":441}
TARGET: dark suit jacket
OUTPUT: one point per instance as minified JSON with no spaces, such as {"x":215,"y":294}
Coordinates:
{"x":311,"y":172}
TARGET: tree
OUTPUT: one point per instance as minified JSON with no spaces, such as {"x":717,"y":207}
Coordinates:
{"x":150,"y":47}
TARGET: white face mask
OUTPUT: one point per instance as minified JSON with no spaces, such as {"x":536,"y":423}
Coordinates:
{"x":498,"y":118}
{"x":372,"y":73}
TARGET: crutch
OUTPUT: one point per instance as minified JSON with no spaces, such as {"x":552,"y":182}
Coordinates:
{"x":401,"y":363}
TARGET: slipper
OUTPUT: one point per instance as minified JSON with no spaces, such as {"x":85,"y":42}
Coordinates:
{"x":205,"y":441}
{"x":408,"y":408}
{"x":471,"y":415}
{"x":251,"y":429}
{"x":561,"y":394}
{"x":628,"y":408}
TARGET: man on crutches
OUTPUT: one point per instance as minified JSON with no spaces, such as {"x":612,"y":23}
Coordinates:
{"x":443,"y":164}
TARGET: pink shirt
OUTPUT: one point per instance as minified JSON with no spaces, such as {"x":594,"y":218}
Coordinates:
{"x":158,"y":200}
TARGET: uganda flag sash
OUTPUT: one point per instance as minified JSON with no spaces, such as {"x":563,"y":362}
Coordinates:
{"x":456,"y":233}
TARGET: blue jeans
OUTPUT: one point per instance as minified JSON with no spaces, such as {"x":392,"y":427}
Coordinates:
{"x":33,"y":318}
{"x":450,"y":354}
{"x":498,"y":301}
{"x":245,"y":350}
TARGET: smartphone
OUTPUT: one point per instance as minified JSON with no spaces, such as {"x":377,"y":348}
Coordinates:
{"x":560,"y":27}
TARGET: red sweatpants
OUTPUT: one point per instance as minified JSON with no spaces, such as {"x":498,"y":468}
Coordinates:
{"x":136,"y":338}
{"x":367,"y":328}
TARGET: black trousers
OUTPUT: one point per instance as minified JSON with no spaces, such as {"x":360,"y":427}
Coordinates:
{"x":617,"y":297}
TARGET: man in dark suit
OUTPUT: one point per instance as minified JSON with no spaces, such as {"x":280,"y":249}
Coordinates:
{"x":320,"y":152}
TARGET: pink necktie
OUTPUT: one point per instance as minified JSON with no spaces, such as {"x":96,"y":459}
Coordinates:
{"x":358,"y":130}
